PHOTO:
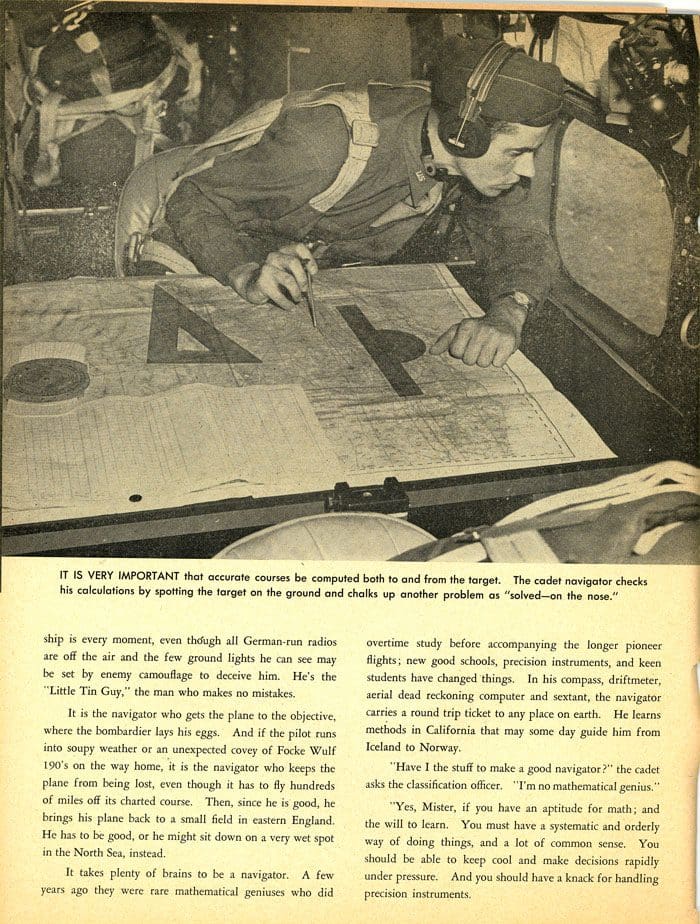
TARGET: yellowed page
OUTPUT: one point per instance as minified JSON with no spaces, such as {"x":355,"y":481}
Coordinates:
{"x":362,"y":830}
{"x":129,"y":444}
{"x":416,"y":742}
{"x":188,"y":444}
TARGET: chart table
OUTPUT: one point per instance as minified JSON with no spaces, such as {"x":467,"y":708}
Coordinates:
{"x":185,"y":395}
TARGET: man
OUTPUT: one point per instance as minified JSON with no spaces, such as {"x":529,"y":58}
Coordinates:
{"x":247,"y":219}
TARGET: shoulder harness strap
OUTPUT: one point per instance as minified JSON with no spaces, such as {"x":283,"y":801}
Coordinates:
{"x":363,"y":138}
{"x":249,"y":129}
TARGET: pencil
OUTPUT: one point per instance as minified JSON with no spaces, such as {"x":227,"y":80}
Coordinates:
{"x":310,"y":297}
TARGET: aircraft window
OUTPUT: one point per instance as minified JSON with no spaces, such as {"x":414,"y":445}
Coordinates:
{"x":614,"y":226}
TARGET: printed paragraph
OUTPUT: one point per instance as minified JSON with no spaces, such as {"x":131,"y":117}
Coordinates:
{"x":152,"y":744}
{"x":346,"y":585}
{"x":449,"y":817}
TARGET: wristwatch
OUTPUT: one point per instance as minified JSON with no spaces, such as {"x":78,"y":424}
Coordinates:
{"x":521,"y":298}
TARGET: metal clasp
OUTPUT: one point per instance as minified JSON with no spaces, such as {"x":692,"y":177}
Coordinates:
{"x":389,"y":498}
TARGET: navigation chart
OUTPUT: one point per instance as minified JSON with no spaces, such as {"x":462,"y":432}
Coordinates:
{"x":384,"y":405}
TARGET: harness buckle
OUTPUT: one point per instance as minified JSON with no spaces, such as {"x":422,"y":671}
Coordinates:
{"x":365,"y":133}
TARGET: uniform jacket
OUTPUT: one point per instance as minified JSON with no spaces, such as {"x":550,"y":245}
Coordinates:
{"x":250,"y":202}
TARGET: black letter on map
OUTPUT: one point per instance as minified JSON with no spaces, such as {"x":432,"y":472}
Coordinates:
{"x":388,"y":348}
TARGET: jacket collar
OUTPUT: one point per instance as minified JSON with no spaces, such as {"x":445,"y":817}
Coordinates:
{"x":411,"y":129}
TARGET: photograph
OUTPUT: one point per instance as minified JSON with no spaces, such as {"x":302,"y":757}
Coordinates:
{"x":350,"y":283}
{"x":350,"y":477}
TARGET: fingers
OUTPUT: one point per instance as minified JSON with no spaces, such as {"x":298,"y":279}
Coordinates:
{"x":477,"y":343}
{"x":276,"y":285}
{"x":304,"y":253}
{"x":468,"y":343}
{"x":282,"y":279}
{"x":442,"y":343}
{"x":285,"y":272}
{"x":504,"y":351}
{"x":286,"y":268}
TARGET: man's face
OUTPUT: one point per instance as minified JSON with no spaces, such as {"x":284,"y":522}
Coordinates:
{"x":509,"y":158}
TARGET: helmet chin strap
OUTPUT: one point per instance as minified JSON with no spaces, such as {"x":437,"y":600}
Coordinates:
{"x":427,"y":159}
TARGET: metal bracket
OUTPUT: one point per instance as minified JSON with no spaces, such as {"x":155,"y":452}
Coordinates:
{"x":389,"y":498}
{"x":508,"y":24}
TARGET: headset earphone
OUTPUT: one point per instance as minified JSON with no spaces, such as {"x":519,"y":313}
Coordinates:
{"x":465,"y":133}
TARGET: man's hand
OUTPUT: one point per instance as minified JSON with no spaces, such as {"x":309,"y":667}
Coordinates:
{"x":487,"y":341}
{"x":281,"y":279}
